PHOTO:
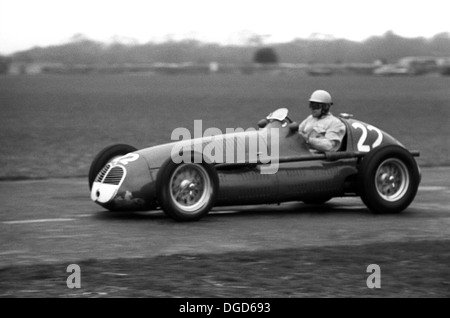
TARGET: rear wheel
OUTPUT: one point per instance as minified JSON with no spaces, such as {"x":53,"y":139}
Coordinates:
{"x":105,"y":156}
{"x":187,"y":191}
{"x":388,"y":179}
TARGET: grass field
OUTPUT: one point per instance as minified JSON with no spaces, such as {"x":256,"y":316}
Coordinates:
{"x":53,"y":126}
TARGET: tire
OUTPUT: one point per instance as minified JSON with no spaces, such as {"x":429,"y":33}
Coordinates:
{"x":388,"y":179}
{"x":105,"y":156}
{"x":199,"y":185}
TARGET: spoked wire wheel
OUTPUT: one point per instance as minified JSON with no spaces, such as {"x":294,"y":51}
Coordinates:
{"x":392,"y":179}
{"x":190,"y":187}
{"x":187,"y":191}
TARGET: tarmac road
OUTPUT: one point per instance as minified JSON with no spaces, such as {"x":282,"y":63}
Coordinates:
{"x":49,"y":221}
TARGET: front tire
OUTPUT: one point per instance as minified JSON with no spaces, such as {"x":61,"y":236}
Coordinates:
{"x":105,"y":156}
{"x":187,"y":191}
{"x":388,"y":179}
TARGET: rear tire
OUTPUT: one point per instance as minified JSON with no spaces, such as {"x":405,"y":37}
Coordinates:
{"x":105,"y":156}
{"x":388,"y":179}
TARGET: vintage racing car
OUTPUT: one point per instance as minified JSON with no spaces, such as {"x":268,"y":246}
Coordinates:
{"x":370,"y":164}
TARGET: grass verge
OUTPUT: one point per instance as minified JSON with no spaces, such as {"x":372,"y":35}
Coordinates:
{"x":408,"y":269}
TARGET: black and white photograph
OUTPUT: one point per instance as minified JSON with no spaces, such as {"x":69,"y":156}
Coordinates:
{"x":224,"y":156}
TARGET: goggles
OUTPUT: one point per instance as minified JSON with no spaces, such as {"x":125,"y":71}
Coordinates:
{"x":315,"y":105}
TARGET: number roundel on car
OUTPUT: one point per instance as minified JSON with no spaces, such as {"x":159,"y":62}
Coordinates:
{"x":368,"y":137}
{"x":126,"y":159}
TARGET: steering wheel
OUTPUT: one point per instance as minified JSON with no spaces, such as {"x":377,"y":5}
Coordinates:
{"x":278,"y":115}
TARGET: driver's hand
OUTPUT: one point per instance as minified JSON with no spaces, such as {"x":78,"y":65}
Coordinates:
{"x":304,"y":135}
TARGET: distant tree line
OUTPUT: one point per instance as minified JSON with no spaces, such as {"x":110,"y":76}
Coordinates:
{"x":265,"y":55}
{"x":388,"y":47}
{"x":4,"y":63}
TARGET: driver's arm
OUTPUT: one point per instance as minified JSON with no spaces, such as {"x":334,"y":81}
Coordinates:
{"x":332,"y":139}
{"x":322,"y":144}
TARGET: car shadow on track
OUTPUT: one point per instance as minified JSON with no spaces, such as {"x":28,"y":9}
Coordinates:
{"x":130,"y":215}
{"x":335,"y":207}
{"x":293,"y":208}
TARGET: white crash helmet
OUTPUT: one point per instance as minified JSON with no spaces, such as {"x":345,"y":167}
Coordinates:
{"x":321,"y":96}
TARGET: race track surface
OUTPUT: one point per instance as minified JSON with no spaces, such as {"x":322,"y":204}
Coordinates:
{"x":49,"y":221}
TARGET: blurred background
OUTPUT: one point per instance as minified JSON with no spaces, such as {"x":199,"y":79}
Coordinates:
{"x":76,"y":76}
{"x":374,"y":37}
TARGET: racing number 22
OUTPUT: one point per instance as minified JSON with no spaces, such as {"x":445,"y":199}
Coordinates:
{"x":361,"y":146}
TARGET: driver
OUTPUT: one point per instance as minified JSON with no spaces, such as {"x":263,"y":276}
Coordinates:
{"x":321,"y":130}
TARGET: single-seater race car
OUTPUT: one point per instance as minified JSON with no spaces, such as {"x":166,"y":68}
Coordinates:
{"x":188,"y":177}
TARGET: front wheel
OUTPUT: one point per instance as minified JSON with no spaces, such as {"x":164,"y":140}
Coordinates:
{"x":187,"y":191}
{"x":388,"y":179}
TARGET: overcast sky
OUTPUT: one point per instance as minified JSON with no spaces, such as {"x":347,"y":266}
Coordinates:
{"x":28,"y":23}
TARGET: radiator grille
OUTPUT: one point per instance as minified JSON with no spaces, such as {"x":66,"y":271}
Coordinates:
{"x":110,"y":175}
{"x":114,"y":176}
{"x":102,"y":173}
